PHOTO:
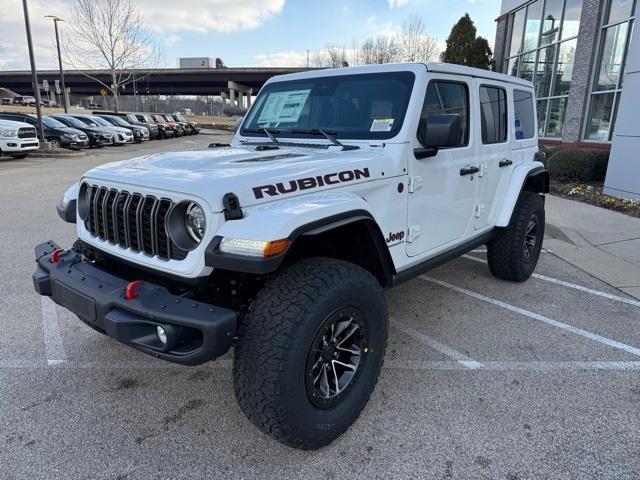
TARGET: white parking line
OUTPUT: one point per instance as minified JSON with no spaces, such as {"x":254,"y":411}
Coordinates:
{"x":578,"y":331}
{"x":557,"y":281}
{"x":436,"y":345}
{"x":539,"y":366}
{"x":52,"y":340}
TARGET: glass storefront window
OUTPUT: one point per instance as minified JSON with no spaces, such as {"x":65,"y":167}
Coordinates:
{"x":611,"y":57}
{"x":571,"y":20}
{"x":564,"y":68}
{"x":542,"y":116}
{"x":544,"y":71}
{"x":600,"y":116}
{"x":527,"y":65}
{"x":619,"y":11}
{"x":512,"y":66}
{"x":532,"y":26}
{"x":555,"y":119}
{"x":551,"y":23}
{"x":516,"y":32}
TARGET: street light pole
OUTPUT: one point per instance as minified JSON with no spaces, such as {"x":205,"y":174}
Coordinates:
{"x":64,"y":90}
{"x":34,"y":74}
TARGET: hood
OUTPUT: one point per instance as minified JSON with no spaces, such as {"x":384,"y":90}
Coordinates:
{"x":254,"y":176}
{"x":12,"y":124}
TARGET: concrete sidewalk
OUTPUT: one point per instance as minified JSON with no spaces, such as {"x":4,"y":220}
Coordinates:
{"x":603,"y":243}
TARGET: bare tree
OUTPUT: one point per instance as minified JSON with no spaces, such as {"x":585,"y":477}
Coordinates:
{"x":333,"y":56}
{"x":110,"y":35}
{"x":381,"y":49}
{"x":415,"y":45}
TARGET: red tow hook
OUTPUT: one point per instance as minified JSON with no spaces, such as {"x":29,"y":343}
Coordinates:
{"x":55,"y":255}
{"x":131,"y":290}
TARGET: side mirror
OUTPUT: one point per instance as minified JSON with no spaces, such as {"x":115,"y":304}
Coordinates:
{"x":440,"y":131}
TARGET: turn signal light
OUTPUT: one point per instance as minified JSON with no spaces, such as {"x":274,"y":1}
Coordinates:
{"x":131,"y":290}
{"x":55,"y":255}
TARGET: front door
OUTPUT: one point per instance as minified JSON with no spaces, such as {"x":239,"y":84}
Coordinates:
{"x":443,"y":188}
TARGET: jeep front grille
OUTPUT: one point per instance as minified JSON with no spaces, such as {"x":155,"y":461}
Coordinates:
{"x":131,"y":220}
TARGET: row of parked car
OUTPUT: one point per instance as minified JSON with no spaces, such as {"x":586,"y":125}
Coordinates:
{"x":79,"y":130}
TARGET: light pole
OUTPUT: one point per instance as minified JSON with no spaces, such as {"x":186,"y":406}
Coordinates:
{"x":64,"y":90}
{"x":34,"y":74}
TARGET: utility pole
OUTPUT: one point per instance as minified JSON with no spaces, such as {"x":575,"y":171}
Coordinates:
{"x":307,"y":58}
{"x":64,"y":90}
{"x":34,"y":74}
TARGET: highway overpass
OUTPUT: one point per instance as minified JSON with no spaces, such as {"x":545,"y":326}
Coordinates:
{"x":168,"y":81}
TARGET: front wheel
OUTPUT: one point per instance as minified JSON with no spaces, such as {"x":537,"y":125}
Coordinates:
{"x":514,"y":252}
{"x":310,"y":350}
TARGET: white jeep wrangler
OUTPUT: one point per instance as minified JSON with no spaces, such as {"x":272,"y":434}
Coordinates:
{"x":338,"y":184}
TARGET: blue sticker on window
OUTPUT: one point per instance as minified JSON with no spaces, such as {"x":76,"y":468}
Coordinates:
{"x":519,"y":135}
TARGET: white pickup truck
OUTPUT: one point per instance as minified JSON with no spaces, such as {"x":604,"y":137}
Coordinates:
{"x":337,"y":185}
{"x":17,"y":139}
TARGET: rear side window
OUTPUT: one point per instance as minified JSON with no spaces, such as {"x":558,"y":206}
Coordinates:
{"x":447,"y":98}
{"x":525,"y":123}
{"x":493,"y":114}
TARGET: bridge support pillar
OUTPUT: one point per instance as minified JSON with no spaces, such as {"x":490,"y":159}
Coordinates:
{"x":244,"y":92}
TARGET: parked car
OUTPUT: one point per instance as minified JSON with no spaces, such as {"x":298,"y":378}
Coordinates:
{"x":98,"y":136}
{"x":164,"y":131}
{"x":17,"y":139}
{"x":121,"y":135}
{"x":7,"y":101}
{"x":55,"y":132}
{"x":25,"y":101}
{"x":140,"y":134}
{"x":192,"y":127}
{"x":95,"y":106}
{"x":160,"y":120}
{"x":338,"y":185}
{"x":154,"y":130}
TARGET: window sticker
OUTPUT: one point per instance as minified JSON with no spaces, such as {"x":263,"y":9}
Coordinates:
{"x":283,"y":107}
{"x":382,"y":125}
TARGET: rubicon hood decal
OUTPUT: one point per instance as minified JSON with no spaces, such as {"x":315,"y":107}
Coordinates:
{"x":282,"y":188}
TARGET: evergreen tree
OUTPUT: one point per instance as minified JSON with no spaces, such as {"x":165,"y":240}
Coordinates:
{"x":465,"y":48}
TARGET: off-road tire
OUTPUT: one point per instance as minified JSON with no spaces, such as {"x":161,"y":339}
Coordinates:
{"x":274,"y":342}
{"x":506,"y":254}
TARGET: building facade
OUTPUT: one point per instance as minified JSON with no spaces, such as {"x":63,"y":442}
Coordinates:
{"x":575,"y":52}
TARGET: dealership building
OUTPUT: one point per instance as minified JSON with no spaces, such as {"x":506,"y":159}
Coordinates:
{"x":584,"y":62}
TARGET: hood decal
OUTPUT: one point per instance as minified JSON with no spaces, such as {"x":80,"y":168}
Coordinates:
{"x":307,"y":183}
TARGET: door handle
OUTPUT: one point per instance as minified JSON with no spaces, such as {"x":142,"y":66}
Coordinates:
{"x":468,"y":171}
{"x":505,"y":163}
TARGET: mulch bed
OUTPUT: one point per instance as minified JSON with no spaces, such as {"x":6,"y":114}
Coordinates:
{"x":592,"y":193}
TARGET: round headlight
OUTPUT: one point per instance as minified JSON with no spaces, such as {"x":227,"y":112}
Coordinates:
{"x":195,"y":222}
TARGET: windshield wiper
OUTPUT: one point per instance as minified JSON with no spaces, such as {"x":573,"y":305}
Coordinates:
{"x":267,"y":132}
{"x":329,"y":135}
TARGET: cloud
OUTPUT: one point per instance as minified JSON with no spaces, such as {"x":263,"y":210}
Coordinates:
{"x":289,"y":58}
{"x":397,"y":3}
{"x":209,"y":15}
{"x":160,"y":15}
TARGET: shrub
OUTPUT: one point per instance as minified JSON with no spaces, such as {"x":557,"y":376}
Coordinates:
{"x":602,"y":162}
{"x":573,"y":165}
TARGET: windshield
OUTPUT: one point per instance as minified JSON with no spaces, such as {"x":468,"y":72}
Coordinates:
{"x":365,"y":106}
{"x":101,"y":121}
{"x":179,"y":117}
{"x":75,"y":122}
{"x":52,"y":123}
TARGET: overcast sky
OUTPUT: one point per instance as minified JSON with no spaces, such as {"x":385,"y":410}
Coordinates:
{"x":247,"y":32}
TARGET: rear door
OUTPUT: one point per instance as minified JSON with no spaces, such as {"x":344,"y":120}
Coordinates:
{"x":494,"y":151}
{"x":442,"y":195}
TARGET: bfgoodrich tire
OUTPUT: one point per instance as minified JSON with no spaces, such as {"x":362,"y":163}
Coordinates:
{"x":514,"y":252}
{"x":318,"y":315}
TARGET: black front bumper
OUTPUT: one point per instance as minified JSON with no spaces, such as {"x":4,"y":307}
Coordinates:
{"x":198,"y":332}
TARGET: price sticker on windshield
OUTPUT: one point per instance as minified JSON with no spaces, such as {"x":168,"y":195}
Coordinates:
{"x":382,"y":125}
{"x":283,"y":107}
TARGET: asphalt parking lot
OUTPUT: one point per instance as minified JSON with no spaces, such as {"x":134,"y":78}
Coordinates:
{"x":483,"y":379}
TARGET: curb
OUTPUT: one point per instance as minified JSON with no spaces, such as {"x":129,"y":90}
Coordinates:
{"x":56,"y":154}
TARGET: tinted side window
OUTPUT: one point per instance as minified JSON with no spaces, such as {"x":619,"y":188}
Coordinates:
{"x":493,"y":114}
{"x":524,"y":114}
{"x":446,"y":98}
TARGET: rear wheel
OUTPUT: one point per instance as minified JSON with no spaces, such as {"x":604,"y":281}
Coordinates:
{"x":55,"y":143}
{"x":310,"y":351}
{"x":514,"y":252}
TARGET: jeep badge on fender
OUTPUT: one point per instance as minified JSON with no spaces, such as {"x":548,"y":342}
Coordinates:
{"x":285,"y":257}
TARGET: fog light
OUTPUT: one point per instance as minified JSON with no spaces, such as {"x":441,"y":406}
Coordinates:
{"x":162,"y":334}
